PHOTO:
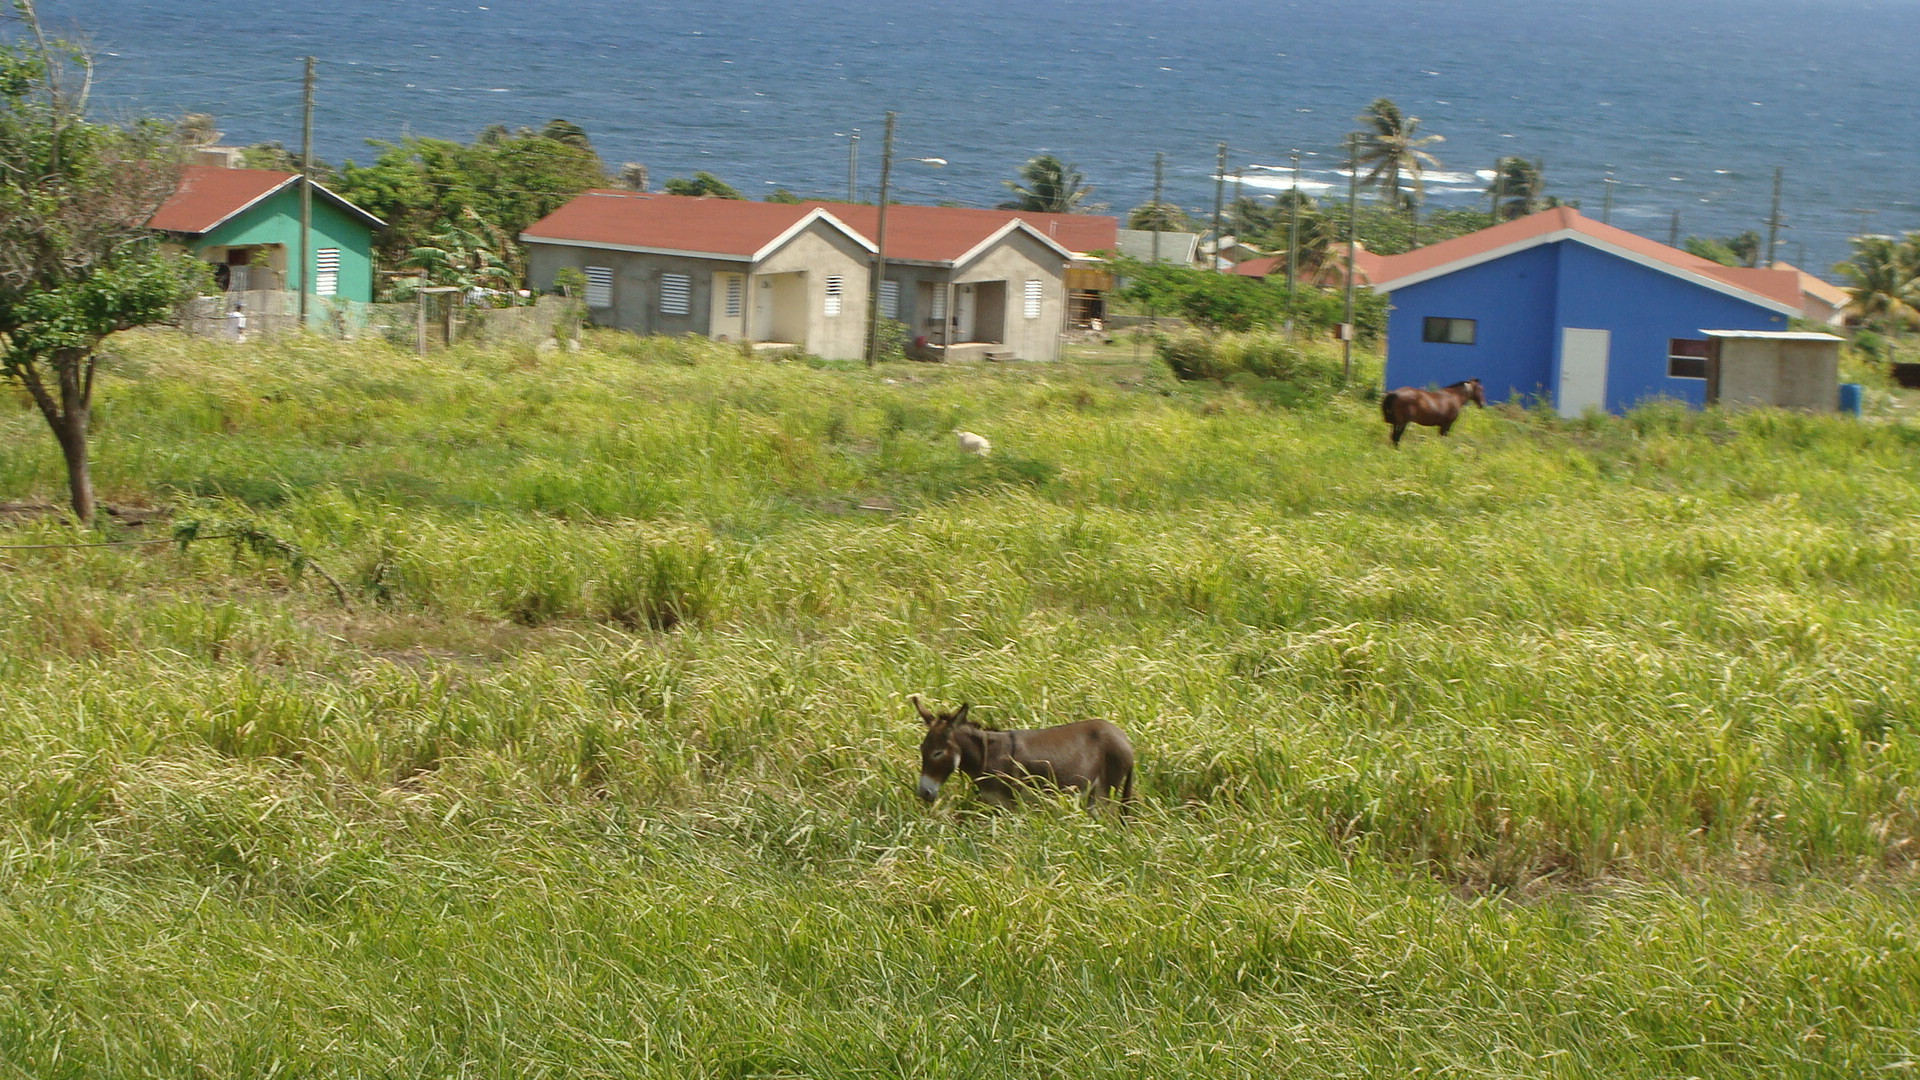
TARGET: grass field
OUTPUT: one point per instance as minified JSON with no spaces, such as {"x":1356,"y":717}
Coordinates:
{"x":1552,"y":749}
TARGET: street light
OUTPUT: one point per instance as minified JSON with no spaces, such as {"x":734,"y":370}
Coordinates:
{"x":853,"y":162}
{"x":880,"y":242}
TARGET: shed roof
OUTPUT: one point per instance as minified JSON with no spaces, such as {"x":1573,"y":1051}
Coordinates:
{"x":1774,"y":335}
{"x":208,"y":196}
{"x":679,"y":224}
{"x":1777,"y":290}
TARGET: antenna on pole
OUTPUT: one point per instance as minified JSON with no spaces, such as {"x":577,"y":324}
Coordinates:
{"x":1673,"y":231}
{"x":306,"y":193}
{"x":1606,"y":205}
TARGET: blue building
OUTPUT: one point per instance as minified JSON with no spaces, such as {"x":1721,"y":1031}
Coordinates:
{"x":1559,"y":306}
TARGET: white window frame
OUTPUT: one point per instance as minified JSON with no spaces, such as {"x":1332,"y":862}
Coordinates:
{"x":835,"y":301}
{"x":326,"y":272}
{"x":676,"y":294}
{"x":890,"y":300}
{"x":1035,"y":290}
{"x":599,"y":286}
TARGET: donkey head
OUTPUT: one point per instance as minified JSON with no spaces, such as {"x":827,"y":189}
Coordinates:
{"x":939,"y":754}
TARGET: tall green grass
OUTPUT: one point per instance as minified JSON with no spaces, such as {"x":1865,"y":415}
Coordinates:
{"x":1548,"y":749}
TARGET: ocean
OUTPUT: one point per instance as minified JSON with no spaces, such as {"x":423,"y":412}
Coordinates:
{"x":1680,"y":106}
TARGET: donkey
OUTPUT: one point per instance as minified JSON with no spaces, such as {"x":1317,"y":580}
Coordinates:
{"x":1091,"y":755}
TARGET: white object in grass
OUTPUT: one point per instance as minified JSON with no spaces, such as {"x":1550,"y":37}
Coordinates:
{"x":974,"y":444}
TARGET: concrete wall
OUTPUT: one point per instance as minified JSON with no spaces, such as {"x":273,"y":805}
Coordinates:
{"x":1017,"y":259}
{"x":1789,"y":374}
{"x":790,"y":283}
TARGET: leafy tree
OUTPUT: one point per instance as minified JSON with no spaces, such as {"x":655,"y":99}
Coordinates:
{"x":703,"y":184}
{"x":1391,"y":148}
{"x":782,"y":195}
{"x":76,"y":261}
{"x":1048,"y":185}
{"x":507,"y":180}
{"x":1164,"y":216}
{"x":1884,"y":280}
{"x":467,"y":254}
{"x":1741,"y":250}
{"x":1235,"y":303}
{"x":567,"y":133}
{"x":1521,"y":188}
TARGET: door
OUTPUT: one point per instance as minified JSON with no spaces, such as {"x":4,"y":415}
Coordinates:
{"x":963,"y":313}
{"x":1583,"y":371}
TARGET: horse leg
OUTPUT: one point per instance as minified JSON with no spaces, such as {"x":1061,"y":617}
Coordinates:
{"x":1446,"y":427}
{"x":1398,"y":430}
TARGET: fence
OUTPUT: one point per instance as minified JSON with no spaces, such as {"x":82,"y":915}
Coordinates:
{"x":434,"y":320}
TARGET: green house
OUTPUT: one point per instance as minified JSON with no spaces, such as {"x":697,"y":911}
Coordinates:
{"x":246,"y":222}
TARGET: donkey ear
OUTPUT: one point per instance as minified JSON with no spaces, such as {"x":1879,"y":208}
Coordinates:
{"x":926,"y":715}
{"x":961,"y":716}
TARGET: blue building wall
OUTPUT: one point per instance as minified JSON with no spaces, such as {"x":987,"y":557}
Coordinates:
{"x":1645,"y":309}
{"x":1522,"y":302}
{"x":1512,"y":302}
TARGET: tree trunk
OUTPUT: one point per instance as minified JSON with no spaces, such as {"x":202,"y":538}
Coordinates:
{"x":72,"y":433}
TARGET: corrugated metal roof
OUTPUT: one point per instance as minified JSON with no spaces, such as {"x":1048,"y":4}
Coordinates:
{"x":209,"y":195}
{"x":1776,"y":289}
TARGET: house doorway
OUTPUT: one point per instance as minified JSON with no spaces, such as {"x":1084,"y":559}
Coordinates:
{"x":1583,"y":371}
{"x":980,"y":312}
{"x":780,"y":309}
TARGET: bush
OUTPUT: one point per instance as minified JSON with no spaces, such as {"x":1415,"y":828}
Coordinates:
{"x":1267,"y":367}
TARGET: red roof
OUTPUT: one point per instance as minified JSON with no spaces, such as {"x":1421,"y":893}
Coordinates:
{"x":208,"y":195}
{"x":1774,"y":288}
{"x":1365,"y":262}
{"x":740,"y":229}
{"x":729,"y":228}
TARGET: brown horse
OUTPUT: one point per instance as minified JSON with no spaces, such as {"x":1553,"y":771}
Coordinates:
{"x":1434,"y":408}
{"x":1091,"y":755}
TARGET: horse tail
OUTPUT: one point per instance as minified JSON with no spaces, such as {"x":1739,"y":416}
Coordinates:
{"x":1126,"y":788}
{"x":1386,"y":405}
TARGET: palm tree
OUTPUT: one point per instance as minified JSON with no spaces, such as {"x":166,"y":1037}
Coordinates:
{"x":1391,"y":148}
{"x":1884,"y":280}
{"x":1159,"y":217}
{"x":1047,"y":185}
{"x":1518,"y":188}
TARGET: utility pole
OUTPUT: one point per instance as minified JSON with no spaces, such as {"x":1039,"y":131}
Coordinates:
{"x":1773,"y":219}
{"x":879,"y":249}
{"x":1293,"y":240}
{"x":1606,"y":206}
{"x":853,"y":166}
{"x":1499,"y":188}
{"x":1673,"y":231}
{"x":306,"y":194}
{"x":1219,"y":194}
{"x":1353,"y":204}
{"x":1159,"y":217}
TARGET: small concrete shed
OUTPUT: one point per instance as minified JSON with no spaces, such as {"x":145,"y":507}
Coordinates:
{"x":1784,"y":369}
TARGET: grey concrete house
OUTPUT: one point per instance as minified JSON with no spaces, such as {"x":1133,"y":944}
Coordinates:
{"x":970,"y":284}
{"x":768,"y":274}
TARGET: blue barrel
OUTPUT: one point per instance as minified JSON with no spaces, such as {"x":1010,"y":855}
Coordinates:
{"x":1850,"y":396}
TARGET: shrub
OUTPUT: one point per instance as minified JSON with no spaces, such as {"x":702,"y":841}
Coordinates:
{"x":1267,"y":366}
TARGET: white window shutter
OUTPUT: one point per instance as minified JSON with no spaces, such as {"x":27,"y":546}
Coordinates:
{"x":890,"y":299}
{"x":599,"y":286}
{"x":736,"y":295}
{"x":1033,"y":298}
{"x":834,"y":283}
{"x":326,"y":277}
{"x":676,"y":294}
